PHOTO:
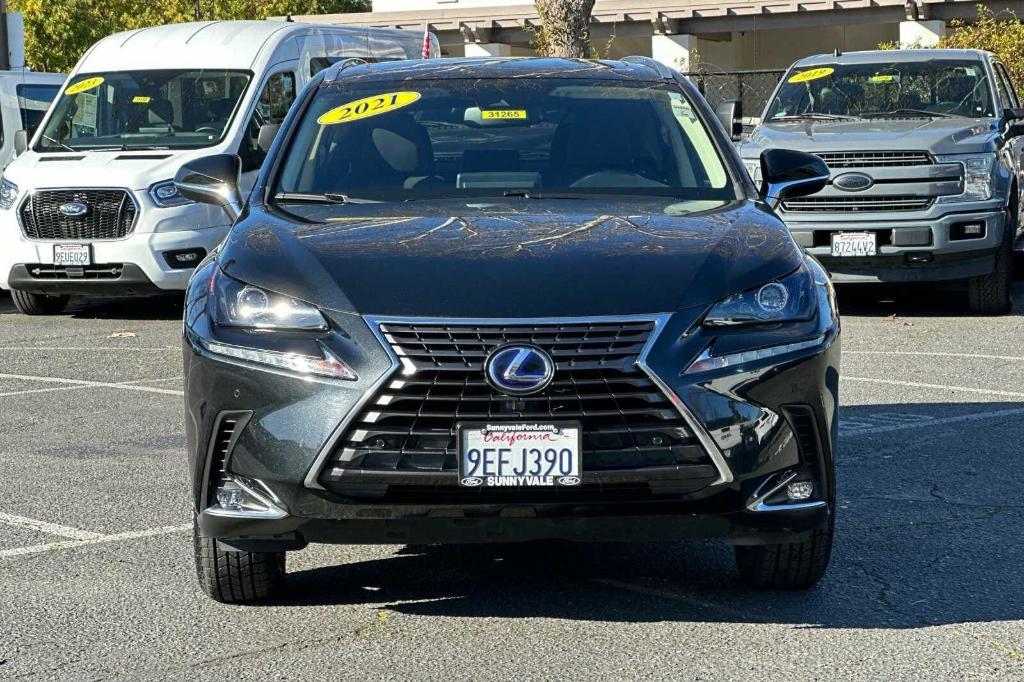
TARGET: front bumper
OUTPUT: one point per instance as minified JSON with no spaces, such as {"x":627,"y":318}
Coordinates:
{"x":760,"y":419}
{"x":915,"y":250}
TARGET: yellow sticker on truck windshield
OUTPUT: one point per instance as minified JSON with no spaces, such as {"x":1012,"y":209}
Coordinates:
{"x":82,"y":86}
{"x":882,"y":78}
{"x":811,"y":75}
{"x":500,"y":114}
{"x":367,"y":107}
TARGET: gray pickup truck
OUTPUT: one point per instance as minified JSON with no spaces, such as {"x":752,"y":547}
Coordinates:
{"x":925,"y":152}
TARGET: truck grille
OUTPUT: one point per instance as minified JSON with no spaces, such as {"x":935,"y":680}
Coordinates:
{"x":409,"y":425}
{"x":857,"y":204}
{"x":111,"y":214}
{"x":874,"y":159}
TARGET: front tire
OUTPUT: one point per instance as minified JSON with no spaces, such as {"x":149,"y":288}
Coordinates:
{"x":790,"y":566}
{"x":236,"y":577}
{"x":38,"y":304}
{"x":992,"y":294}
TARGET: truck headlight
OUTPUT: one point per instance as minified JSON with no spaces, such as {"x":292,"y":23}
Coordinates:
{"x":8,"y":193}
{"x":977,"y":175}
{"x":753,"y":167}
{"x":165,"y":195}
{"x":788,"y":299}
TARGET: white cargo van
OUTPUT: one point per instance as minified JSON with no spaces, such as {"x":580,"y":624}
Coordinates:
{"x":89,"y":207}
{"x":24,"y":98}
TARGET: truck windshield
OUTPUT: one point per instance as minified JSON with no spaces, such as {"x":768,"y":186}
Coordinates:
{"x":536,"y":138}
{"x":936,"y":88}
{"x":165,"y":109}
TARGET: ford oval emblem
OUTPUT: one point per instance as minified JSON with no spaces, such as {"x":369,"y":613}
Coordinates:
{"x":569,"y":480}
{"x":853,"y":182}
{"x":73,"y":209}
{"x":519,"y":369}
{"x":471,"y":481}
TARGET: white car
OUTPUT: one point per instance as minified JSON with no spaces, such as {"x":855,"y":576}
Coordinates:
{"x":24,"y":98}
{"x":89,"y":207}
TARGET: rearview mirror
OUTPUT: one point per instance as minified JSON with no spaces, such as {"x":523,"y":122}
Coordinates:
{"x":20,"y":142}
{"x":268,"y":131}
{"x":787,"y":174}
{"x":1014,"y":119}
{"x":730,"y":113}
{"x":212,"y":180}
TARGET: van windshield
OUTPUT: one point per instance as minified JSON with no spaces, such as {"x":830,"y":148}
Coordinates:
{"x":936,"y":88}
{"x":536,"y":138}
{"x":163,"y":109}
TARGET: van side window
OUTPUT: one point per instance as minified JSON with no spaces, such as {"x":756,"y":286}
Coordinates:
{"x":275,"y":100}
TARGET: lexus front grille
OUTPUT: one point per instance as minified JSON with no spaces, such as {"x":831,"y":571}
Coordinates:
{"x":409,"y":426}
{"x":109,"y":214}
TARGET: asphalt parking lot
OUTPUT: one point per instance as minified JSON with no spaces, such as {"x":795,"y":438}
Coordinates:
{"x":96,"y":572}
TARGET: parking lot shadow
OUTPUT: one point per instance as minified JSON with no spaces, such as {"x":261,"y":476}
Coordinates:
{"x":915,"y":300}
{"x":925,"y":536}
{"x":168,"y":307}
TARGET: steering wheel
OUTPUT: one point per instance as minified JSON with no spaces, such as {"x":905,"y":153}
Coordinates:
{"x":208,"y":129}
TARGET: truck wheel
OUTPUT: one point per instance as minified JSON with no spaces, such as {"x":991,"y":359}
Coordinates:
{"x":992,"y":294}
{"x":38,"y":304}
{"x":236,"y":577}
{"x":796,"y":565}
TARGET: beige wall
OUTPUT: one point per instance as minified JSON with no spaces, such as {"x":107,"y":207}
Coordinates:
{"x":413,"y":5}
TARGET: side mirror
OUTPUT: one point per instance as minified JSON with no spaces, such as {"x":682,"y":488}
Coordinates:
{"x":268,"y":131}
{"x":730,"y":113}
{"x":1014,"y":122}
{"x":787,"y":174}
{"x":20,"y":142}
{"x":212,"y":180}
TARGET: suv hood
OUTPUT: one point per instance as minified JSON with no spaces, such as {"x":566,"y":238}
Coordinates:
{"x":559,"y":258}
{"x":938,"y":136}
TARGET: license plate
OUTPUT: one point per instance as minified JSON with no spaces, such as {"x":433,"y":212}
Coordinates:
{"x":854,"y":244}
{"x":519,"y":454}
{"x":72,"y":254}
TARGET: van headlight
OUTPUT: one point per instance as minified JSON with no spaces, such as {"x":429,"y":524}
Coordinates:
{"x":977,"y":175}
{"x":8,"y":193}
{"x":165,"y":195}
{"x":788,"y":299}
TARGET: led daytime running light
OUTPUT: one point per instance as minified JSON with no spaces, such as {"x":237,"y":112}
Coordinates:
{"x":326,"y":366}
{"x":709,"y":363}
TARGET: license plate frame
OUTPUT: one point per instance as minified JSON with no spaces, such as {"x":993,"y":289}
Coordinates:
{"x":72,"y":255}
{"x":516,"y":436}
{"x":854,"y":244}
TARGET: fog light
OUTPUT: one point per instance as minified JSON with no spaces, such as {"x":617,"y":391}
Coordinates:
{"x":184,"y":258}
{"x":239,"y":496}
{"x":800,"y":490}
{"x":230,"y":496}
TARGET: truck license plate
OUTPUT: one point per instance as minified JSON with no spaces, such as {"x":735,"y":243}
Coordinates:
{"x":72,"y":254}
{"x":519,"y":454}
{"x":854,"y":244}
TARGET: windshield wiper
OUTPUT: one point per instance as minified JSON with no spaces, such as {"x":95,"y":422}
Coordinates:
{"x":900,"y":113}
{"x":327,"y":198}
{"x":534,"y":194}
{"x":814,"y":116}
{"x":58,"y":142}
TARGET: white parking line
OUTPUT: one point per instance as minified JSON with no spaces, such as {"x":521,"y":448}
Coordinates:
{"x":930,"y":423}
{"x":95,"y":384}
{"x":71,"y":544}
{"x":980,"y":356}
{"x":160,"y":349}
{"x":49,"y":528}
{"x":917,"y":384}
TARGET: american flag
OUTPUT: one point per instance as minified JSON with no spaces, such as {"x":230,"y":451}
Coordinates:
{"x":426,"y":40}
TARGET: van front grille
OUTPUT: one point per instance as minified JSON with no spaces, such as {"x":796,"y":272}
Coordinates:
{"x":110,"y":214}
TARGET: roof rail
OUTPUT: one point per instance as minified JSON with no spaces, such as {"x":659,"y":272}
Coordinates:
{"x":335,"y":69}
{"x":650,"y":63}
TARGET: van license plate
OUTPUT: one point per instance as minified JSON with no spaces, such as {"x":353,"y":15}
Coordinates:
{"x":854,"y":244}
{"x":519,"y":454}
{"x":72,"y":254}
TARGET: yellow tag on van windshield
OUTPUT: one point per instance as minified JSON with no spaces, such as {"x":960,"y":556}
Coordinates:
{"x":141,"y":99}
{"x":367,"y":107}
{"x":811,"y":75}
{"x":82,"y":86}
{"x":498,"y":114}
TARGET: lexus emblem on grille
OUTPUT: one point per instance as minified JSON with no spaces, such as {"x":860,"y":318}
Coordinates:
{"x":73,"y":209}
{"x":519,"y":369}
{"x":853,"y":182}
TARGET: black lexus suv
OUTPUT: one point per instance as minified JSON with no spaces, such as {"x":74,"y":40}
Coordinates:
{"x":507,"y":300}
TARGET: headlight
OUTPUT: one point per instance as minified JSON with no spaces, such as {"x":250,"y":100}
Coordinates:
{"x":165,"y":195}
{"x":753,"y":167}
{"x":784,"y":300}
{"x":8,"y":193}
{"x":977,"y":176}
{"x":237,"y":304}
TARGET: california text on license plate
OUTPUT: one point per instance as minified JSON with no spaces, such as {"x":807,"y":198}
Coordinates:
{"x":519,"y":454}
{"x":72,"y":254}
{"x":853,"y":244}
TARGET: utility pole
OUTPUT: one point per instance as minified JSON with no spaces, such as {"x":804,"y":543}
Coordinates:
{"x":5,"y":40}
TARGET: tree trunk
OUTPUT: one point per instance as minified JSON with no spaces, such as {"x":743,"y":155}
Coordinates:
{"x":565,"y":28}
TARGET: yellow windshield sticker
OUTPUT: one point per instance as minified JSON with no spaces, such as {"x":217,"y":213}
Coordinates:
{"x":811,"y":75}
{"x":499,"y":114}
{"x":882,"y":78}
{"x":141,"y":99}
{"x":367,"y":107}
{"x":82,"y":86}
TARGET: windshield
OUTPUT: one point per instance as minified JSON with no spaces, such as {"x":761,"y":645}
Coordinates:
{"x":33,"y":101}
{"x":165,"y":109}
{"x":502,"y":137}
{"x":936,"y":88}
